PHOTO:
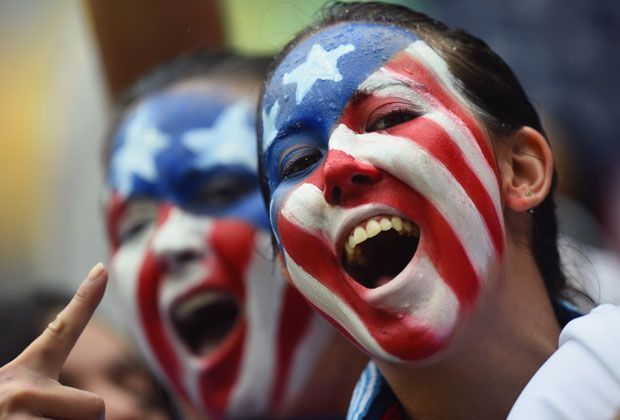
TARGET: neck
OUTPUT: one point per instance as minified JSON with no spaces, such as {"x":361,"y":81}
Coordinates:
{"x":486,"y":367}
{"x":328,"y":390}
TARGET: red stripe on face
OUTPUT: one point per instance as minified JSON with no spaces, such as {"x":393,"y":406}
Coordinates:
{"x":410,"y":69}
{"x":149,"y":283}
{"x":294,"y":323}
{"x":397,"y":333}
{"x":432,"y":137}
{"x":230,"y":244}
{"x":219,"y":376}
{"x":114,"y":209}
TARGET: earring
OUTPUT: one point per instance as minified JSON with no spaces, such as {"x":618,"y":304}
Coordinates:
{"x":529,"y":193}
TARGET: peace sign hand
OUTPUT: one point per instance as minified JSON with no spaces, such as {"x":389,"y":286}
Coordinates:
{"x":29,"y":385}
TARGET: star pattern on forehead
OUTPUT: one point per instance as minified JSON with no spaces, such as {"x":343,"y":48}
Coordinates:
{"x":137,"y":155}
{"x":269,"y":124}
{"x":319,"y":65}
{"x":230,"y":140}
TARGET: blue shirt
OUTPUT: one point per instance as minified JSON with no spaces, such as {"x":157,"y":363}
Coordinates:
{"x":374,"y":399}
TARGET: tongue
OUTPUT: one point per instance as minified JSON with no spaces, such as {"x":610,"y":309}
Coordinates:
{"x":382,"y":280}
{"x":383,"y":257}
{"x":207,"y":347}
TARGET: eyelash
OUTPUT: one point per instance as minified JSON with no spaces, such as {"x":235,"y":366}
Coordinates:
{"x":221,"y":191}
{"x":129,"y":232}
{"x":299,"y":160}
{"x":406,"y":113}
{"x":305,"y":157}
{"x":134,"y":221}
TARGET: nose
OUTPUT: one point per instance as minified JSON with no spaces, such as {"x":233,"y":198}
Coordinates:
{"x":181,"y":239}
{"x":345,"y":177}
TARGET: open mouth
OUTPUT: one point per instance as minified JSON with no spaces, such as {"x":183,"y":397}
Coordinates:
{"x":204,"y":320}
{"x":379,"y":248}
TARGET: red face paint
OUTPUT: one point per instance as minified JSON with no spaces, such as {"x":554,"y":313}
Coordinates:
{"x":192,"y":262}
{"x":396,"y":232}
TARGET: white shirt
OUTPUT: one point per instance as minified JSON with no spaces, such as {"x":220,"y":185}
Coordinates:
{"x":581,"y":380}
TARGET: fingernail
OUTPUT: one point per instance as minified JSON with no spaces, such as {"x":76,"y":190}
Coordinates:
{"x":96,"y":271}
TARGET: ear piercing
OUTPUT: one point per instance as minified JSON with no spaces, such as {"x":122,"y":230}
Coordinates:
{"x":529,"y":193}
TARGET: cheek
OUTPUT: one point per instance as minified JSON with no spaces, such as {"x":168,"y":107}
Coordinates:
{"x":126,"y":265}
{"x":444,"y":141}
{"x":276,"y":205}
{"x":465,"y":231}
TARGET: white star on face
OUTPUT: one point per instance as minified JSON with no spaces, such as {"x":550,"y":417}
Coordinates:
{"x":319,"y":65}
{"x":137,"y":154}
{"x":269,"y":124}
{"x":230,"y":140}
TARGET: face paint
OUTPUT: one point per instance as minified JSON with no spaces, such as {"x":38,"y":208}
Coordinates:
{"x":379,"y":167}
{"x":191,"y":256}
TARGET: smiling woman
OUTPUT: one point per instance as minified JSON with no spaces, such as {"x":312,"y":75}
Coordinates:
{"x":407,"y":157}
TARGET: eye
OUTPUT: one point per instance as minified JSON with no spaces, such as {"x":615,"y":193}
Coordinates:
{"x":137,"y":217}
{"x":391,"y":118}
{"x":299,"y":160}
{"x":223,"y":190}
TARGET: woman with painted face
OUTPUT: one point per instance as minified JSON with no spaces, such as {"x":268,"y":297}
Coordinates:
{"x":191,"y":254}
{"x":410,"y":189}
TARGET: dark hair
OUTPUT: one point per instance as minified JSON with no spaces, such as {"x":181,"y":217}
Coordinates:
{"x":199,"y":64}
{"x":485,"y":80}
{"x":24,"y":317}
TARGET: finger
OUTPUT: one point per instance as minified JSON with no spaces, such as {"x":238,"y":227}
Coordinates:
{"x":70,"y":403}
{"x":50,"y":399}
{"x":49,"y":351}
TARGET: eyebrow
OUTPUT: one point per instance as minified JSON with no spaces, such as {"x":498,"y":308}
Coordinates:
{"x":386,"y":85}
{"x":358,"y":96}
{"x":289,"y":130}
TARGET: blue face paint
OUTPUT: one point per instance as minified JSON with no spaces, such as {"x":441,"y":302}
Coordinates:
{"x":195,"y":150}
{"x":309,"y":90}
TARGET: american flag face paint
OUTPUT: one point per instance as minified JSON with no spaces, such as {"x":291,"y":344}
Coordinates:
{"x":191,"y":256}
{"x":384,"y":194}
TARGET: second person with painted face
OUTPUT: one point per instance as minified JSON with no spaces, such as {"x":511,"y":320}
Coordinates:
{"x":191,"y":255}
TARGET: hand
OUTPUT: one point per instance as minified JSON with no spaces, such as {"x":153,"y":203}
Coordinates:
{"x":29,"y":385}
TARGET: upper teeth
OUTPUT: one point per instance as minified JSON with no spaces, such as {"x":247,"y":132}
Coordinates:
{"x":373,"y":227}
{"x":198,"y":301}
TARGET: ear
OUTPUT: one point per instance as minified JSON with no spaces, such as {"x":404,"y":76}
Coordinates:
{"x":526,"y":168}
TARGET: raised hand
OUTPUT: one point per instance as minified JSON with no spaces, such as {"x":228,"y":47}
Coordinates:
{"x":29,"y":385}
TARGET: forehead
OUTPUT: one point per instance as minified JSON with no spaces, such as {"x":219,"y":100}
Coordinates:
{"x":185,"y":129}
{"x":176,"y":110}
{"x":325,"y":70}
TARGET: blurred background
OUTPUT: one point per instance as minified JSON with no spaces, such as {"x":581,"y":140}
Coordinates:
{"x":64,"y":62}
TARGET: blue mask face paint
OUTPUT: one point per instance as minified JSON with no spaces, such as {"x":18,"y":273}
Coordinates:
{"x":190,"y":246}
{"x":194,"y":150}
{"x":384,"y":196}
{"x":309,"y":90}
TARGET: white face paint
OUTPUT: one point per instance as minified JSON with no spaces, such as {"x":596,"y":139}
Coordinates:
{"x":192,"y":259}
{"x":185,"y":264}
{"x":403,"y":212}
